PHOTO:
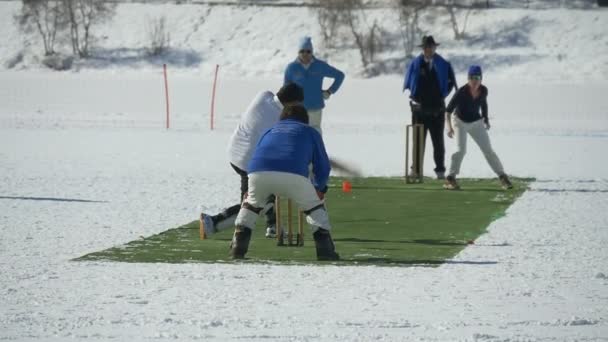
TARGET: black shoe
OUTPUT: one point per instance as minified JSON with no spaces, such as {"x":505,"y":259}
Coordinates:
{"x":505,"y":182}
{"x":240,"y":242}
{"x":325,"y":245}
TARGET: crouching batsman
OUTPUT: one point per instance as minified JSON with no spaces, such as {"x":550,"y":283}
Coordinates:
{"x":279,"y":166}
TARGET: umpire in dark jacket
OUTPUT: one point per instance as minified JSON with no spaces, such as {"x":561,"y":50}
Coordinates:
{"x":430,"y":79}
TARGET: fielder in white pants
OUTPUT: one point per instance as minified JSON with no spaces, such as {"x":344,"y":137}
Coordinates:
{"x":471,"y":108}
{"x":314,"y":117}
{"x":478,"y":131}
{"x":288,"y":185}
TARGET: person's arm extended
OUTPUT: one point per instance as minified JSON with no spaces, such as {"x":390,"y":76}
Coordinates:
{"x":453,"y":102}
{"x":338,"y":77}
{"x":448,"y":114}
{"x":287,"y":75}
{"x":484,"y":110}
{"x":448,"y":122}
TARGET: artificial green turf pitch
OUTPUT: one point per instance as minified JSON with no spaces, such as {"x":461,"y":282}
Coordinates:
{"x":382,"y":221}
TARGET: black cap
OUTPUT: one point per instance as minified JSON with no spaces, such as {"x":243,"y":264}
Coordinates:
{"x":428,"y":41}
{"x":295,"y":112}
{"x":290,"y":92}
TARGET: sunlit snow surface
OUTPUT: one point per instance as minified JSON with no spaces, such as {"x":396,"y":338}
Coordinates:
{"x":86,"y":164}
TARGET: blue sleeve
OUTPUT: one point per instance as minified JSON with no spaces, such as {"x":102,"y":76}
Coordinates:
{"x":320,"y":162}
{"x":407,"y":82}
{"x":451,"y":79}
{"x":287,"y":76}
{"x":336,"y":74}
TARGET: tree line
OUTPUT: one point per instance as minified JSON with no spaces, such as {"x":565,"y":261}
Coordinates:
{"x":348,"y":20}
{"x":72,"y":18}
{"x":341,"y":22}
{"x":58,"y":21}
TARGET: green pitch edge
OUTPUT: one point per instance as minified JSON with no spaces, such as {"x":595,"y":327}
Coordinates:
{"x":383,"y":221}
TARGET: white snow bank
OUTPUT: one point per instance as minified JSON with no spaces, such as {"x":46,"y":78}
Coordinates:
{"x":558,"y":45}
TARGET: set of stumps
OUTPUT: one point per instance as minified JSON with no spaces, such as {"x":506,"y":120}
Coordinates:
{"x":415,"y":175}
{"x":299,"y":236}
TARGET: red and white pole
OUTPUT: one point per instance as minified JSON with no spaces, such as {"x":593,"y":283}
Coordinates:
{"x":213,"y":97}
{"x":166,"y":92}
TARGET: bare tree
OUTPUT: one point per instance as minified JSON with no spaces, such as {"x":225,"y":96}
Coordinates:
{"x":353,"y":21}
{"x":330,"y":18}
{"x":81,"y":14}
{"x":158,"y":35}
{"x":409,"y":12}
{"x":459,"y":32}
{"x":374,"y":42}
{"x":349,"y":16}
{"x":69,"y":7}
{"x":46,"y":17}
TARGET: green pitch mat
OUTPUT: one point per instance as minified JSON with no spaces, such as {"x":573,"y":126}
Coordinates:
{"x":381,"y":221}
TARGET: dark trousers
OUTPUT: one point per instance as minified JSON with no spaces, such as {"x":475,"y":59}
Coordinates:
{"x":234,"y":210}
{"x":244,"y":180}
{"x":434,"y":122}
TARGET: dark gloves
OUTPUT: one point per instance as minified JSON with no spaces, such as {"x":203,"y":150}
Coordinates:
{"x":415,"y":106}
{"x":321,"y":192}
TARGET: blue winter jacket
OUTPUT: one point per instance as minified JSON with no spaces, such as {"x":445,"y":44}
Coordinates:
{"x":443,"y":69}
{"x":311,"y":81}
{"x":290,"y":146}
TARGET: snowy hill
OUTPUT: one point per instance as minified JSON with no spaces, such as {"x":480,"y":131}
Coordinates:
{"x":557,"y":45}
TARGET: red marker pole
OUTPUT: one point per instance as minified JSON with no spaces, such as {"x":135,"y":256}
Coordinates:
{"x":213,"y":96}
{"x":166,"y":92}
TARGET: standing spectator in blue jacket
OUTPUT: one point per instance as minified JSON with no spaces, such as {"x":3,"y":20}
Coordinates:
{"x":280,"y":166}
{"x":430,"y":78}
{"x":308,"y":72}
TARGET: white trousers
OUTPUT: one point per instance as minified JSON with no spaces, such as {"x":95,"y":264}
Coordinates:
{"x":287,"y":185}
{"x":479,"y":133}
{"x":314,"y":119}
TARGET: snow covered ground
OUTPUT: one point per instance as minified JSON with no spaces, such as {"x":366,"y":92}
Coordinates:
{"x":77,"y":180}
{"x":86,"y":164}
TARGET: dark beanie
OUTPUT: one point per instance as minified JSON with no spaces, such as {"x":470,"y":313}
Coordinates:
{"x":296,"y":112}
{"x":290,"y":92}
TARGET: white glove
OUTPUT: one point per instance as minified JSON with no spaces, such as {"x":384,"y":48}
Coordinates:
{"x":326,"y":94}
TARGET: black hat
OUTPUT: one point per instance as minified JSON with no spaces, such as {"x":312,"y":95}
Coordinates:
{"x":428,"y":41}
{"x":295,"y":112}
{"x":290,"y":92}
